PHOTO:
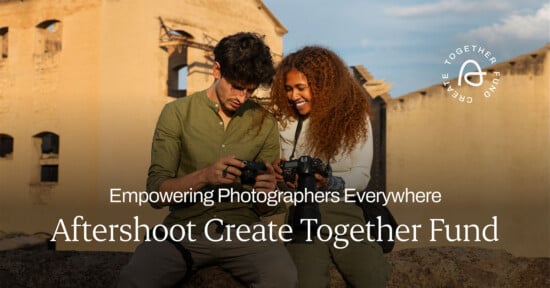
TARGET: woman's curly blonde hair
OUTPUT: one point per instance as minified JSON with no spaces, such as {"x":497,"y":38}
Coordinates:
{"x":339,"y":105}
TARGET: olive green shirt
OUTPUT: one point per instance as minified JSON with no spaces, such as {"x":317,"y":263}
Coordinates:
{"x":190,"y":136}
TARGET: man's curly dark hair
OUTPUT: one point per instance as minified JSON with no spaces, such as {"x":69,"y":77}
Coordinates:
{"x":340,"y":108}
{"x":245,"y":59}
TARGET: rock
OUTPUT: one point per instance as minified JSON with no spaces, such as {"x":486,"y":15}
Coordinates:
{"x":47,"y":268}
{"x":421,"y":267}
{"x":19,"y":240}
{"x":466,"y":267}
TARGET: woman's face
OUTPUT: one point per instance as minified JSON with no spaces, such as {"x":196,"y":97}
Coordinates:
{"x":298,"y":91}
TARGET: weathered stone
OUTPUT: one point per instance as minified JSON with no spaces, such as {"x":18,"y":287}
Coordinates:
{"x":466,"y":267}
{"x":421,"y":267}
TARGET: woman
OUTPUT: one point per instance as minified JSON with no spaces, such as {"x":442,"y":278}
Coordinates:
{"x":314,"y":85}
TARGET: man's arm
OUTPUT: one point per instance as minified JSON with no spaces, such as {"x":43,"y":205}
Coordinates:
{"x":165,"y":149}
{"x":165,"y":158}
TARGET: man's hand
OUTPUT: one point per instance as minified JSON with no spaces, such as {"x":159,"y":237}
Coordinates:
{"x":278,"y":170}
{"x":266,"y":181}
{"x":224,"y":171}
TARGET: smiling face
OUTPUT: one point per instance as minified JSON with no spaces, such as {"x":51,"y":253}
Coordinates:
{"x":298,"y":91}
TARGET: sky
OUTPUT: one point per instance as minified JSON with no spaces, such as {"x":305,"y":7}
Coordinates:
{"x":406,"y":42}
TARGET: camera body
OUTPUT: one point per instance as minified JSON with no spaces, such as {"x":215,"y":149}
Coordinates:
{"x":304,"y":165}
{"x":250,"y":171}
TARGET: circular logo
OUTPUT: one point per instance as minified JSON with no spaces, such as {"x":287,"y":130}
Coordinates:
{"x":472,"y":82}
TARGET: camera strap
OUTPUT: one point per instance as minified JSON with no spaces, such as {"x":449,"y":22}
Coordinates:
{"x":297,"y":135}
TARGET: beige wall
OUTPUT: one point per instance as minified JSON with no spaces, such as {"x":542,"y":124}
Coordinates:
{"x":488,"y":158}
{"x":102,"y":94}
{"x":57,"y":93}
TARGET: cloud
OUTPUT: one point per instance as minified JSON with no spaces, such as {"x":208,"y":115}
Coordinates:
{"x":535,"y":27}
{"x":447,"y":6}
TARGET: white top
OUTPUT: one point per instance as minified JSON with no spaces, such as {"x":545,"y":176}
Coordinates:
{"x":354,"y":168}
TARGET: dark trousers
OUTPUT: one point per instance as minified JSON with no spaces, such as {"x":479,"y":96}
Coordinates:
{"x":258,"y":264}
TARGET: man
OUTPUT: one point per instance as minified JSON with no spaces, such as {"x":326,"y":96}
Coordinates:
{"x":198,"y":145}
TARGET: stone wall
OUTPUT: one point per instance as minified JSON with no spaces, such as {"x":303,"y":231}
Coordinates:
{"x":487,"y":158}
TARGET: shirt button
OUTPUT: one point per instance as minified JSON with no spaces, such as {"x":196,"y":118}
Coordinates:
{"x":221,"y":122}
{"x":223,"y":145}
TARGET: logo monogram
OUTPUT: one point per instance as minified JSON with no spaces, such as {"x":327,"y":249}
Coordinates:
{"x":469,"y":74}
{"x":465,"y":93}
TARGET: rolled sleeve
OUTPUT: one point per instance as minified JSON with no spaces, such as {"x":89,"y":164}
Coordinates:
{"x":165,"y":150}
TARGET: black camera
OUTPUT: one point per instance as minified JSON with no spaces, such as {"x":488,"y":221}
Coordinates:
{"x":250,"y":171}
{"x":304,"y":165}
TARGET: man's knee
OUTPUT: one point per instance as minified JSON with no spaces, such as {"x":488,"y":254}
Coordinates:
{"x":144,"y":274}
{"x":154,"y":264}
{"x":282,"y":279}
{"x":280,"y":273}
{"x":127,"y":277}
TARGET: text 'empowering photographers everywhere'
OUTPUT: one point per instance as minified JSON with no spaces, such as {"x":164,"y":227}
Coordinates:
{"x":273,"y":198}
{"x":466,"y":61}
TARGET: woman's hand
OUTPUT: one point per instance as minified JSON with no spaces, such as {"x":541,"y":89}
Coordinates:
{"x":322,"y":182}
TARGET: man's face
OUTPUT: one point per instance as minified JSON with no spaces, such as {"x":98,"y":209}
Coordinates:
{"x":231,"y":95}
